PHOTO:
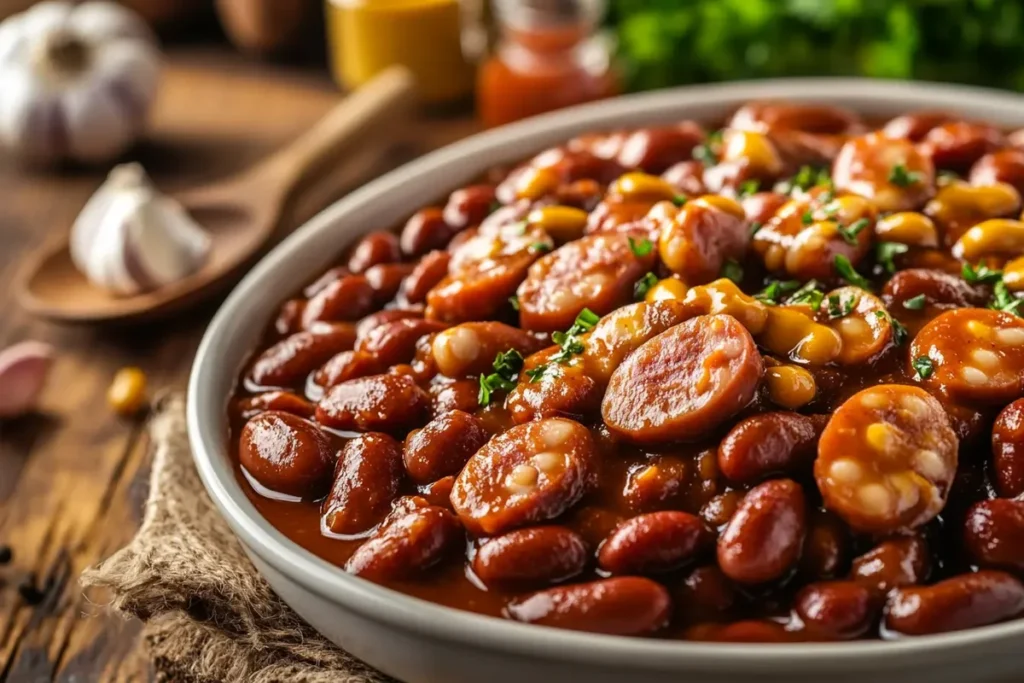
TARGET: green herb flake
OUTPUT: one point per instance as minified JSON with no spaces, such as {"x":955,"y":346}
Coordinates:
{"x":915,"y":303}
{"x":640,"y":247}
{"x":901,"y":177}
{"x":508,"y":363}
{"x":849,"y":273}
{"x":849,"y":233}
{"x":680,"y":200}
{"x":899,"y":333}
{"x":749,"y":187}
{"x":733,"y":271}
{"x":569,"y":340}
{"x":838,"y":307}
{"x":705,"y":155}
{"x":923,"y":366}
{"x":1003,"y":300}
{"x":755,"y":226}
{"x":643,"y":285}
{"x":537,"y":373}
{"x":514,"y":301}
{"x":809,"y":294}
{"x":946,"y":177}
{"x":980,"y":275}
{"x":808,"y":217}
{"x":886,"y":252}
{"x":774,"y":292}
{"x":540,"y":247}
{"x":491,"y":383}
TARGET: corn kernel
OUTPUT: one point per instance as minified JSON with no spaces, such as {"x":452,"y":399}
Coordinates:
{"x":127,"y":392}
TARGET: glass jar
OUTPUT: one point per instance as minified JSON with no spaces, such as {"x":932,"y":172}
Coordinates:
{"x":367,"y":36}
{"x":549,"y":55}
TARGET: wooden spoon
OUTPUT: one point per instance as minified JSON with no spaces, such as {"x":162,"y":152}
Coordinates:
{"x":240,"y":214}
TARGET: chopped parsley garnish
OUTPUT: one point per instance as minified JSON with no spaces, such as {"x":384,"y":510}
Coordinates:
{"x":838,"y":307}
{"x":749,"y":187}
{"x":923,"y":366}
{"x":514,"y":300}
{"x":643,"y":285}
{"x":755,"y":226}
{"x":849,"y":233}
{"x":901,"y":177}
{"x":831,"y":208}
{"x":809,"y":294}
{"x":493,"y":206}
{"x":808,"y":217}
{"x":806,"y":178}
{"x":507,"y":365}
{"x":535,"y":374}
{"x":980,"y":275}
{"x":944,"y":177}
{"x":848,"y":273}
{"x":569,"y":340}
{"x":773,"y":293}
{"x":885,"y":252}
{"x":899,"y":333}
{"x":733,"y":270}
{"x":915,"y":303}
{"x":540,"y":247}
{"x":680,"y":200}
{"x":705,"y":155}
{"x":640,"y":247}
{"x":1003,"y":300}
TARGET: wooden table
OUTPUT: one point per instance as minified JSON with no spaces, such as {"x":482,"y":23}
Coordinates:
{"x":73,"y":477}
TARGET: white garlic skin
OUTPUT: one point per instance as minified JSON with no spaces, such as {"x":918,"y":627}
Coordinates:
{"x":56,"y":107}
{"x":130,"y":239}
{"x":23,"y":371}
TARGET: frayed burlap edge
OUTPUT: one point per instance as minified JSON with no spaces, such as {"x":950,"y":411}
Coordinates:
{"x":210,"y":617}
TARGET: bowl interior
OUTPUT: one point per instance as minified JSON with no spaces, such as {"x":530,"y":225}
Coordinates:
{"x":236,"y":328}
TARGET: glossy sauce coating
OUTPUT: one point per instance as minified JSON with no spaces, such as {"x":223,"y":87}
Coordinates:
{"x":763,"y":384}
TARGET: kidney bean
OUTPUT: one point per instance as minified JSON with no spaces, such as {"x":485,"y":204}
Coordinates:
{"x":564,"y":391}
{"x":840,"y":610}
{"x":1004,"y":166}
{"x":531,"y":557}
{"x":431,"y":269}
{"x":708,"y":590}
{"x":766,"y":444}
{"x":468,"y":206}
{"x":593,"y":523}
{"x":345,"y":366}
{"x":284,"y":401}
{"x":625,"y":606}
{"x":407,"y":546}
{"x":897,"y":562}
{"x":319,"y":284}
{"x":387,"y":403}
{"x":826,"y":546}
{"x":596,"y":272}
{"x":443,"y":446}
{"x":424,"y":231}
{"x":959,"y":144}
{"x":747,"y":631}
{"x":978,"y":354}
{"x":1008,"y":450}
{"x":386,"y":279}
{"x":439,"y":492}
{"x":653,"y":543}
{"x":654,"y":484}
{"x":374,"y":249}
{"x":810,"y":118}
{"x":529,"y":473}
{"x":366,"y":482}
{"x":470,"y":348}
{"x":379,"y":318}
{"x":289,"y":361}
{"x":719,"y":510}
{"x":460,"y":394}
{"x":289,"y":318}
{"x":940,"y":289}
{"x":994,"y":533}
{"x":886,"y":459}
{"x":349,"y":298}
{"x":395,"y":342}
{"x":915,"y":127}
{"x":656,"y":149}
{"x":684,"y":382}
{"x":582,"y":194}
{"x":965,"y":601}
{"x":286,"y":454}
{"x":763,"y":539}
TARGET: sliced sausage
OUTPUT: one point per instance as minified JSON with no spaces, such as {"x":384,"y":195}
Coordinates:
{"x":976,"y":354}
{"x":562,"y":390}
{"x":890,"y":172}
{"x":1004,"y":166}
{"x":286,"y":454}
{"x":862,"y":323}
{"x":886,"y":459}
{"x":530,"y":473}
{"x":470,"y":348}
{"x":596,"y":272}
{"x":683,"y":383}
{"x":697,"y":241}
{"x":940,"y":289}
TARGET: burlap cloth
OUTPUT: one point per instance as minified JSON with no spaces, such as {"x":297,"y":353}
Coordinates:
{"x":209,"y":616}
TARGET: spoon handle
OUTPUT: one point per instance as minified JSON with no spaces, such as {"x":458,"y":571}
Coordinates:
{"x":388,"y":95}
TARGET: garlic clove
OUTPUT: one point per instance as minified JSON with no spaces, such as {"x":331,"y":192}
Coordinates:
{"x":23,"y":371}
{"x":129,"y":238}
{"x":103,"y":21}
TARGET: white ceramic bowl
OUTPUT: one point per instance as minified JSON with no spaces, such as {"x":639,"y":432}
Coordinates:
{"x":420,"y":642}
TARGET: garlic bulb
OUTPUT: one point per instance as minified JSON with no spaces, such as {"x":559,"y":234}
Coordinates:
{"x":129,"y":238}
{"x":76,"y":80}
{"x":23,"y":371}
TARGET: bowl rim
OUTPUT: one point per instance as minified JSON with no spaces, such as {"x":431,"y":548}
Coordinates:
{"x":437,"y":622}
